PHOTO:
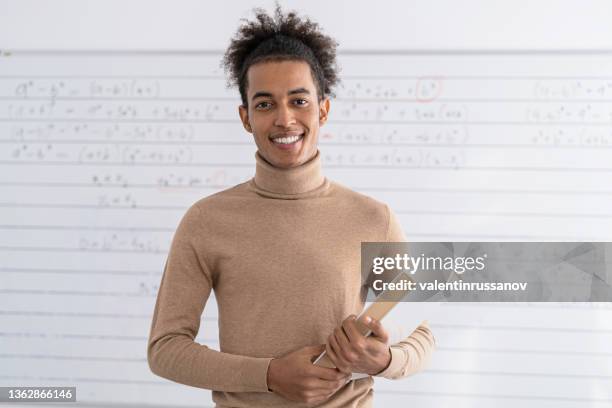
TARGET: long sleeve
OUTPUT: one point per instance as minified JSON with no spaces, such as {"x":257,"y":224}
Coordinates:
{"x":410,"y":355}
{"x":413,"y":353}
{"x":172,"y":352}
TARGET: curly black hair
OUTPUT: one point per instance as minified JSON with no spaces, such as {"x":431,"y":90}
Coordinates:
{"x":285,"y":37}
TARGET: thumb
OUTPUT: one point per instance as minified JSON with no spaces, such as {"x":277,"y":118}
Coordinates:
{"x":378,"y":329}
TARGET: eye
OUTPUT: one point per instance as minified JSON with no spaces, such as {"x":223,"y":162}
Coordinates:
{"x":302,"y":102}
{"x":262,"y":105}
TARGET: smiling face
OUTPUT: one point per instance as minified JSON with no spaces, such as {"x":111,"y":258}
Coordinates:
{"x":284,"y":113}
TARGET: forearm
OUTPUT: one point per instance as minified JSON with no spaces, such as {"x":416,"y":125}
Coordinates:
{"x":410,"y":355}
{"x":180,"y":359}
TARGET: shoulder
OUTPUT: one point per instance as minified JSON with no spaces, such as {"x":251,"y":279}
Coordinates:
{"x":216,"y":204}
{"x":223,"y":197}
{"x":372,"y":213}
{"x":360,"y":203}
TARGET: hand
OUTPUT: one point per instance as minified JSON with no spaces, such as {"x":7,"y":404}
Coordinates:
{"x":351,"y":351}
{"x":294,"y":377}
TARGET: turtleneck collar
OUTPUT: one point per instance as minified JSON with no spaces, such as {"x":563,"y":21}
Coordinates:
{"x":296,"y":182}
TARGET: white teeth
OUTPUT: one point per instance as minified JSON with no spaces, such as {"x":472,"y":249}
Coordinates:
{"x":287,"y":140}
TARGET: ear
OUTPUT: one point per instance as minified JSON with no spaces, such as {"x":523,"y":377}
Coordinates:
{"x":323,"y":111}
{"x":244,"y":117}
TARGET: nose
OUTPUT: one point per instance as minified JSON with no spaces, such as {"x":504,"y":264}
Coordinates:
{"x":284,"y":117}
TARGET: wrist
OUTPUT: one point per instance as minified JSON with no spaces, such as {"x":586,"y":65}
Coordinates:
{"x":386,"y":363}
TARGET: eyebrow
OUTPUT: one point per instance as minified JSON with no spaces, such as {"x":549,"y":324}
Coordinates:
{"x":261,"y":94}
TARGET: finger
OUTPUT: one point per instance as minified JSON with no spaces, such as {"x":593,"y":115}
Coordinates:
{"x":341,"y":337}
{"x":378,"y":329}
{"x":352,"y":333}
{"x":320,"y":386}
{"x":327,"y":374}
{"x":314,"y":396}
{"x":337,"y":362}
{"x":329,"y":394}
{"x":348,"y":351}
{"x":331,"y":354}
{"x":340,"y":362}
{"x":341,"y":383}
{"x":341,"y":345}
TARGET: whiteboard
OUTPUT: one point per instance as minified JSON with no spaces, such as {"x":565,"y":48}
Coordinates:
{"x":104,"y":150}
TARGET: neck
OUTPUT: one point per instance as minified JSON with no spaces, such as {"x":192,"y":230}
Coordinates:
{"x":293,"y":182}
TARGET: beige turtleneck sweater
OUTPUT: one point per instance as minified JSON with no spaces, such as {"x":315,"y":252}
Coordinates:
{"x":282,"y":253}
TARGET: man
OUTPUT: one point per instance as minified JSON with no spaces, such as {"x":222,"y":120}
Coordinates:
{"x":281,"y":251}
